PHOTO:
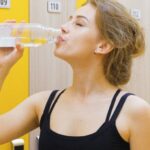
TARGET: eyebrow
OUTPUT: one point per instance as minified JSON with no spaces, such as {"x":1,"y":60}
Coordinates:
{"x":80,"y":16}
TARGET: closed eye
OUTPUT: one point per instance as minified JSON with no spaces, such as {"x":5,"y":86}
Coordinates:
{"x":79,"y":24}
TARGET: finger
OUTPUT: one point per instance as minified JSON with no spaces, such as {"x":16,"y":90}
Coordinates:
{"x":19,"y":46}
{"x":5,"y":51}
{"x":10,"y":21}
{"x":15,"y":55}
{"x":23,"y":21}
{"x":6,"y":48}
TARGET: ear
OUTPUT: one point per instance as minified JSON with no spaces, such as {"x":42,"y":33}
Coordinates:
{"x":103,"y":47}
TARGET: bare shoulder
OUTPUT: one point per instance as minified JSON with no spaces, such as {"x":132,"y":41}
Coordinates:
{"x":40,"y":99}
{"x":138,"y":112}
{"x":138,"y":107}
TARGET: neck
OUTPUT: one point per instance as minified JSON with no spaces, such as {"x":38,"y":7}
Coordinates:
{"x":90,"y":79}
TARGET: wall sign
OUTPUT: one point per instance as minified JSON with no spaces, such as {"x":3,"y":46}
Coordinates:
{"x":136,"y":13}
{"x":4,"y":3}
{"x":54,"y":6}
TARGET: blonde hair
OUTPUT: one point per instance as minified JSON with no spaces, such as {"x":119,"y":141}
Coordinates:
{"x":119,"y":28}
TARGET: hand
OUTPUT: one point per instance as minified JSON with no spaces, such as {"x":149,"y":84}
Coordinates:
{"x":8,"y":57}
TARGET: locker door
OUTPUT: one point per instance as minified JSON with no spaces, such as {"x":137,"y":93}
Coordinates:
{"x":16,"y":87}
{"x":46,"y":71}
{"x":140,"y":80}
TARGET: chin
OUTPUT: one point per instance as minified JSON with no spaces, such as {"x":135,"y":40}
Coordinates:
{"x":63,"y":55}
{"x":60,"y":53}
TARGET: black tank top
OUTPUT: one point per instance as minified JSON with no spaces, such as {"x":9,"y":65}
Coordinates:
{"x":106,"y":137}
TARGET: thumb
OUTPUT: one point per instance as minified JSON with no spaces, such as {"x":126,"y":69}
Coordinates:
{"x":15,"y":55}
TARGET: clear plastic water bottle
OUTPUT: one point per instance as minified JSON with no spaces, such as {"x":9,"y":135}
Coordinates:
{"x":27,"y":34}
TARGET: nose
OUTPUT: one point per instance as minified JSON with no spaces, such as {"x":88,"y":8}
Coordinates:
{"x":64,"y":28}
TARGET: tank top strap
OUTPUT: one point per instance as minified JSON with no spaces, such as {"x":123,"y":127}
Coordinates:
{"x":119,"y":107}
{"x":112,"y":104}
{"x":47,"y":106}
{"x":54,"y":102}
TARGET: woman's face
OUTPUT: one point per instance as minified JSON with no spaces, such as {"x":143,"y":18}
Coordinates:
{"x":79,"y":37}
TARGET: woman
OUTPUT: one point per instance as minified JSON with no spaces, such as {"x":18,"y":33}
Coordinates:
{"x":99,"y":42}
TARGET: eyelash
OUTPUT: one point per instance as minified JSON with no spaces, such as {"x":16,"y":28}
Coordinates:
{"x":78,"y":24}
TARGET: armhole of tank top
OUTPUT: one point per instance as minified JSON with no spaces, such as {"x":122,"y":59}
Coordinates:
{"x":116,"y":114}
{"x":46,"y":109}
{"x":119,"y":106}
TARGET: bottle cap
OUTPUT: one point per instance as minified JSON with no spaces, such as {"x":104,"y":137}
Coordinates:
{"x":7,"y":42}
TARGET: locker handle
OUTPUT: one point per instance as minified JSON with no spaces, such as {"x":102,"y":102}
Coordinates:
{"x":17,"y":144}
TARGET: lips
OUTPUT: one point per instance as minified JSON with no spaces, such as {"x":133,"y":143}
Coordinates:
{"x":60,"y":39}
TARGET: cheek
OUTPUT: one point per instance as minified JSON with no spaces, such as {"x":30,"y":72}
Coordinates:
{"x":79,"y":46}
{"x":83,"y":45}
{"x":86,"y":41}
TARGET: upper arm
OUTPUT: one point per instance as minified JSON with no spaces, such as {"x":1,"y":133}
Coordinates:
{"x":140,"y":126}
{"x":21,"y":119}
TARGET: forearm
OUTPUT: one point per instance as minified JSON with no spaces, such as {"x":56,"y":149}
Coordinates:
{"x":8,"y":57}
{"x":3,"y":74}
{"x":1,"y":82}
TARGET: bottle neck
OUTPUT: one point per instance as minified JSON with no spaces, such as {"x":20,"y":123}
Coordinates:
{"x":53,"y":31}
{"x":52,"y":34}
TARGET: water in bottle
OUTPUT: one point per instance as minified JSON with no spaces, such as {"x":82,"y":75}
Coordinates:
{"x":26,"y":34}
